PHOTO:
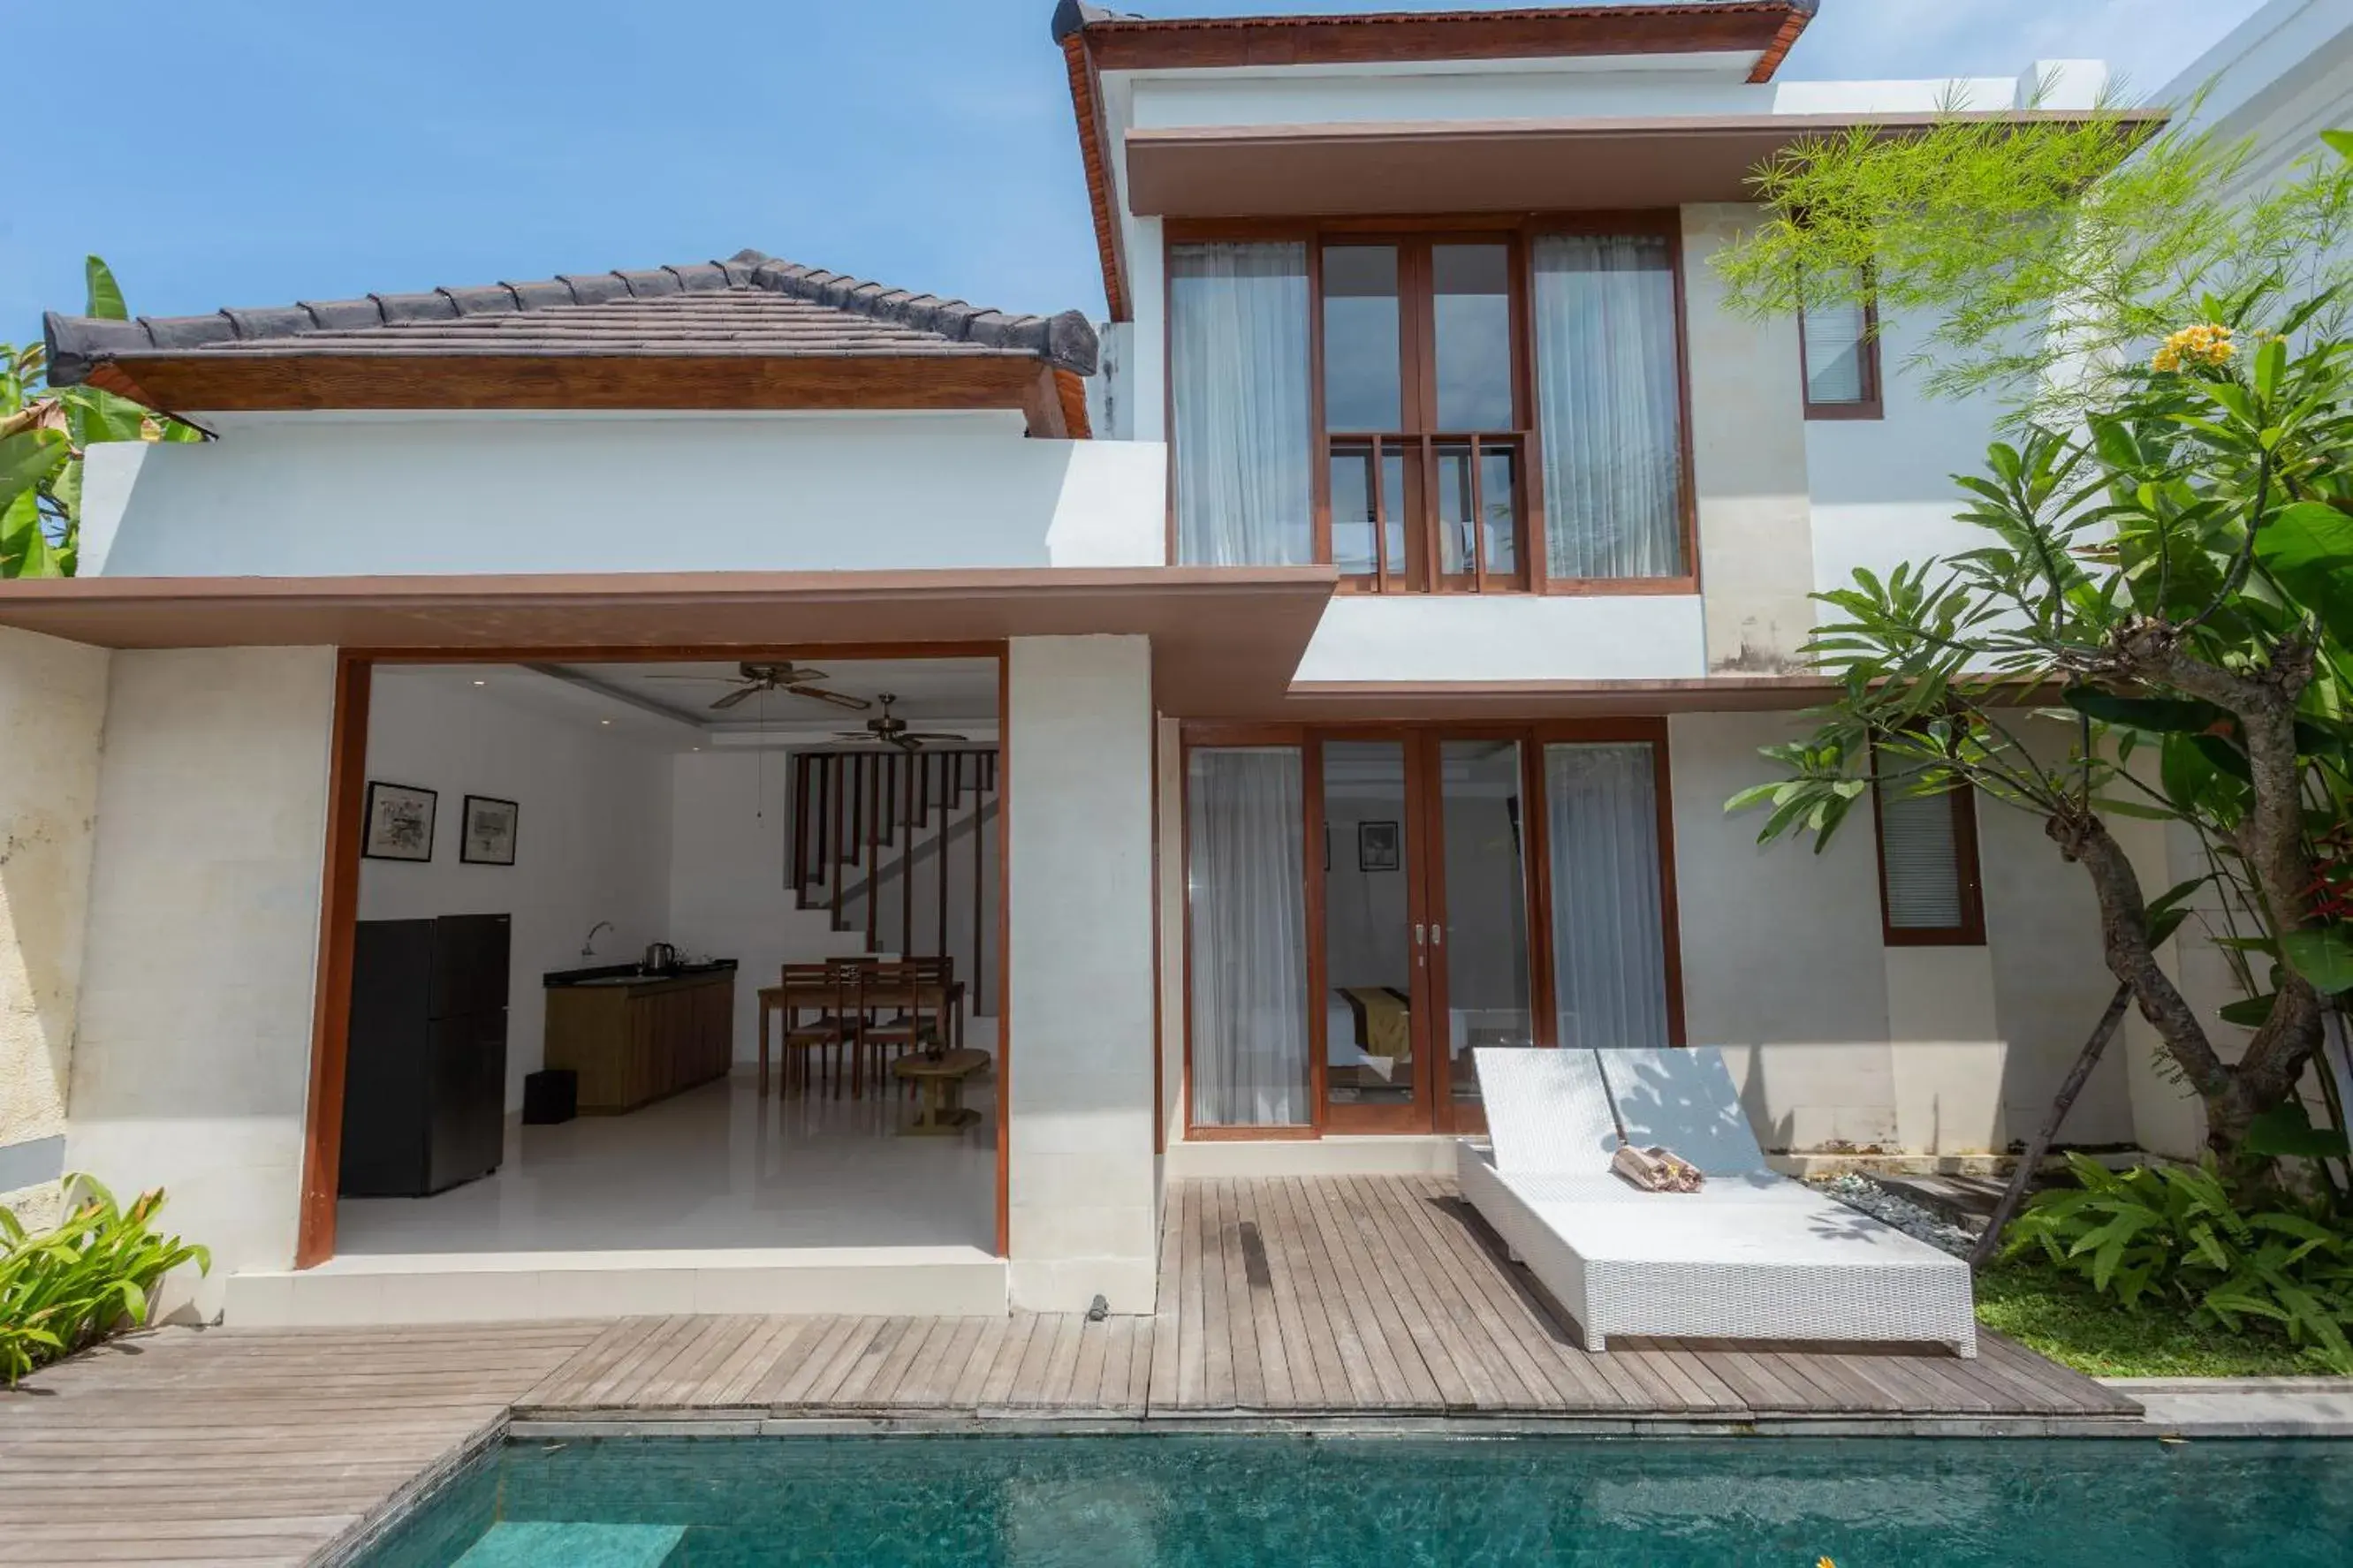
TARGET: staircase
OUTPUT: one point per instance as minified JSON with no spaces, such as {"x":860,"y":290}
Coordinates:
{"x":902,"y":846}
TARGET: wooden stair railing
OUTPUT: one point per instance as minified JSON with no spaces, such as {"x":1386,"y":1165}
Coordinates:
{"x":883,"y":813}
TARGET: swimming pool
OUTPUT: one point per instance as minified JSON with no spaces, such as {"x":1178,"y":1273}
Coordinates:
{"x":1198,"y":1501}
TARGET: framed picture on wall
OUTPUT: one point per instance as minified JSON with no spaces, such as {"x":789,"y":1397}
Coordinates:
{"x":399,"y":822}
{"x":1377,"y":847}
{"x":490,"y":835}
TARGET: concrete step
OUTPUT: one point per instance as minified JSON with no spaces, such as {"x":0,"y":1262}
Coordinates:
{"x":516,"y":1287}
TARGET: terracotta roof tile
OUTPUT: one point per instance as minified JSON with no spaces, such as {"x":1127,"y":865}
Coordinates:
{"x":750,"y":305}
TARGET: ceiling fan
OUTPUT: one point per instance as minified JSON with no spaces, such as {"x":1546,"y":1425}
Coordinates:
{"x":893,"y":732}
{"x":786,"y":677}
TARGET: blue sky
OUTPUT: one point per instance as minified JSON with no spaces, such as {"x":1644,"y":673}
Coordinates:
{"x":244,"y":152}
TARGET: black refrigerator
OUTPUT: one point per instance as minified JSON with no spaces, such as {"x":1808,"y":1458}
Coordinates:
{"x":426,"y":1075}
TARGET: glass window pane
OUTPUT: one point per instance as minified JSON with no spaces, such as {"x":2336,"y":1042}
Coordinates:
{"x":1486,"y":951}
{"x":1609,"y":405}
{"x":1239,"y":416}
{"x":1500,"y":507}
{"x":1245,"y":902}
{"x":1920,"y":861}
{"x":1361,"y":381}
{"x":1465,"y":511}
{"x":1455,"y":511}
{"x":1367,"y":930}
{"x":1353,"y":527}
{"x":1470,"y":287}
{"x":1608,"y":942}
{"x":1834,"y":350}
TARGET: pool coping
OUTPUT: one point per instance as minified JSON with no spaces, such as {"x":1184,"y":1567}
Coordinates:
{"x":2200,"y":1409}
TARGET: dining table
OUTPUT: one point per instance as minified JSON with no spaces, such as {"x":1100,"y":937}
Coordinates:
{"x":944,"y":1003}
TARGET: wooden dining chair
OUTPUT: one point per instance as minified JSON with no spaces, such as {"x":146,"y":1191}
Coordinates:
{"x":915,"y":989}
{"x":832,"y":1035}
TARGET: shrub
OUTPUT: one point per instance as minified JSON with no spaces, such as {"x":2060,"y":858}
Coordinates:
{"x":76,"y":1284}
{"x":2176,"y":1231}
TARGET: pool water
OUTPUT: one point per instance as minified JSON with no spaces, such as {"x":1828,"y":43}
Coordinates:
{"x":1163,"y":1502}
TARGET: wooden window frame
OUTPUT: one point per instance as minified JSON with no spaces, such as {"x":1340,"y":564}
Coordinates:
{"x":1435,"y":1113}
{"x":1872,"y":404}
{"x":1971,"y":931}
{"x":1521,"y":230}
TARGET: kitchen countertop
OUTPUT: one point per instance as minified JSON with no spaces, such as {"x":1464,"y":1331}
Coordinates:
{"x":630,"y":975}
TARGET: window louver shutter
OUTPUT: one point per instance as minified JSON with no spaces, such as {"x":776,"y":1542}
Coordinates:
{"x":1919,"y":855}
{"x":1834,"y":353}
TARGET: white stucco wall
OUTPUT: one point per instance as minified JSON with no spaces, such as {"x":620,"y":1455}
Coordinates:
{"x":592,"y":840}
{"x":1079,"y":737}
{"x":329,"y":494}
{"x":191,"y":1061}
{"x":1835,"y":1035}
{"x":1520,"y":636}
{"x":1883,"y":488}
{"x":52,"y":710}
{"x":1748,"y":464}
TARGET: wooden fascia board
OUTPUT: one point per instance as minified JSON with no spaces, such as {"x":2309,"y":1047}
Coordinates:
{"x":1095,"y":156}
{"x":261,"y":382}
{"x":1560,"y":32}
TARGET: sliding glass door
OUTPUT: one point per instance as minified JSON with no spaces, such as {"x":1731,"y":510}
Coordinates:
{"x":1369,"y":908}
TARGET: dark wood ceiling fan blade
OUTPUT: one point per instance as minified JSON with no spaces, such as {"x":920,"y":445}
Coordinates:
{"x":733,"y":697}
{"x":730,"y":679}
{"x":838,"y":699}
{"x":935,"y":736}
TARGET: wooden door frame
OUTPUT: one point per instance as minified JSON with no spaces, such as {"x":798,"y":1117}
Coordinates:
{"x":322,"y":1134}
{"x":1424,"y":738}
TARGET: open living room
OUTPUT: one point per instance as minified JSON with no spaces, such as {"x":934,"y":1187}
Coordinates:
{"x":665,"y":976}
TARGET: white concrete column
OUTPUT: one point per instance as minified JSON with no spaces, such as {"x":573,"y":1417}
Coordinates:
{"x":52,"y":707}
{"x":193,"y":1057}
{"x":1748,"y":459}
{"x":1078,"y":739}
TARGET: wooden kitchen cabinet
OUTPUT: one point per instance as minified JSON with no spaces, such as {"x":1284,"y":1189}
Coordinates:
{"x":635,"y":1043}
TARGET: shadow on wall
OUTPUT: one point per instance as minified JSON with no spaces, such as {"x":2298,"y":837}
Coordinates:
{"x":52,"y":707}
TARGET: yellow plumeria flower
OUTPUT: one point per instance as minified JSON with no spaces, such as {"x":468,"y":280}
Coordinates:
{"x":2207,"y":344}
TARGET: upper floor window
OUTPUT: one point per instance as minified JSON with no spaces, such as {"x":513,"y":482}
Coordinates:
{"x":1474,"y":412}
{"x":1838,"y":339}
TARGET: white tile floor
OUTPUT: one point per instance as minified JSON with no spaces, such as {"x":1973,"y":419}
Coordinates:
{"x":714,"y":1167}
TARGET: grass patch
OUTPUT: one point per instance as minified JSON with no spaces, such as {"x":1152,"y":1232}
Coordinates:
{"x":2058,"y":1315}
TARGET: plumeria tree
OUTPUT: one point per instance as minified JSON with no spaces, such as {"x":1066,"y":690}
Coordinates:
{"x":2167,"y":571}
{"x":43,"y":433}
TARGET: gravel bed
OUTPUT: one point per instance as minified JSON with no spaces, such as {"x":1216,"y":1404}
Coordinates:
{"x":1860,"y":1192}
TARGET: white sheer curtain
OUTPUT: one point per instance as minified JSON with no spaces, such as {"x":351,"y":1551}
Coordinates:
{"x":1609,"y":950}
{"x":1245,"y":889}
{"x":1238,"y":387}
{"x":1609,"y":405}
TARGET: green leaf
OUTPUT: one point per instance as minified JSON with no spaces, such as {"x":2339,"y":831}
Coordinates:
{"x":2324,"y":956}
{"x":2157,"y":715}
{"x":2341,"y":141}
{"x":2249,"y":1012}
{"x":2308,"y":550}
{"x":105,"y":295}
{"x":2287,"y":1129}
{"x":27,"y":459}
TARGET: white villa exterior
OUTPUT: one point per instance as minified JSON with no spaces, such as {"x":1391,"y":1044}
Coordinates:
{"x":1197,"y":650}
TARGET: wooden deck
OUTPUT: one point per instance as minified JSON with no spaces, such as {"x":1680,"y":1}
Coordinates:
{"x":1332,"y":1298}
{"x":1370,"y":1296}
{"x":248,"y":1447}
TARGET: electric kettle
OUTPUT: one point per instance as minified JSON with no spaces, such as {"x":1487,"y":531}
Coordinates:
{"x":660,"y":959}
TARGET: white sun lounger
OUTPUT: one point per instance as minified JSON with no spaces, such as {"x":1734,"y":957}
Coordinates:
{"x":1751,"y":1255}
